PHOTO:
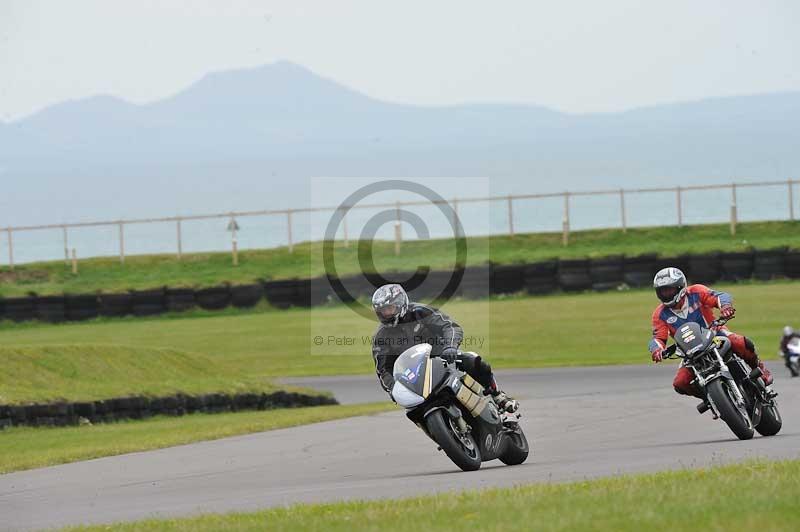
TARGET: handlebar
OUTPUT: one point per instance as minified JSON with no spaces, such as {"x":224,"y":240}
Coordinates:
{"x":672,"y":351}
{"x":720,"y":322}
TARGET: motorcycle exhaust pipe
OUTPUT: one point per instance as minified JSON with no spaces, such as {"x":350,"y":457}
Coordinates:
{"x":470,"y":394}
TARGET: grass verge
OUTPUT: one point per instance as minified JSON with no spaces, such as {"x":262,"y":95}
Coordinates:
{"x":27,"y":448}
{"x":749,"y":496}
{"x":558,"y":330}
{"x":206,"y":269}
{"x":83,"y":372}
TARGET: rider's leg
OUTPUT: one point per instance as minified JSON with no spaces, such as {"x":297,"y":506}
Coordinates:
{"x":746,"y":349}
{"x":683,"y":383}
{"x":481,"y":371}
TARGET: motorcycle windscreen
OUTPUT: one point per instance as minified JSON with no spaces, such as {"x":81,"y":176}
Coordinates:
{"x":418,"y":372}
{"x":411,"y":367}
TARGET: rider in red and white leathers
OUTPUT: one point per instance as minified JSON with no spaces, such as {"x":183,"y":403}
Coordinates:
{"x":681,"y":304}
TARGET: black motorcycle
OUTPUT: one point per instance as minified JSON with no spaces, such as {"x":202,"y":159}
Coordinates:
{"x":453,"y":410}
{"x":733,"y":391}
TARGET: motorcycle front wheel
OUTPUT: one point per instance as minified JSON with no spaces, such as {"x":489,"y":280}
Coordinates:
{"x":735,"y":416}
{"x":460,"y":448}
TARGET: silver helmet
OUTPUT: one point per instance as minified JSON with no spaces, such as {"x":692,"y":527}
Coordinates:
{"x":390,"y":303}
{"x":788,"y":331}
{"x":670,"y":286}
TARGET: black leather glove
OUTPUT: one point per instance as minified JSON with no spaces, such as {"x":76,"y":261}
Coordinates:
{"x":449,"y":354}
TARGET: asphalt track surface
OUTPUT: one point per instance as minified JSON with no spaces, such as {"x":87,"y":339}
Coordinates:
{"x":582,"y":423}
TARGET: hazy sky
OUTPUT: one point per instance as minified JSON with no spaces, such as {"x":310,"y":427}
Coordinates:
{"x":572,"y":56}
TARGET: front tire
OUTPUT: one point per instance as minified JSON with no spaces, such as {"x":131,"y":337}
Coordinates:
{"x":461,"y":449}
{"x":734,"y":416}
{"x":771,"y":421}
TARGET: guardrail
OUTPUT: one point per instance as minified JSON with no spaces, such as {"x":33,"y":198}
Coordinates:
{"x":509,"y":201}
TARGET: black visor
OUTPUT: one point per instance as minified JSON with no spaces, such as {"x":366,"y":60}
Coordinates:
{"x":667,"y":293}
{"x":387,"y":312}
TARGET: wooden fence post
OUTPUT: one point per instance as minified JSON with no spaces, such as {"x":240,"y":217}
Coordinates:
{"x":66,"y":244}
{"x":622,"y":210}
{"x":344,"y":228}
{"x":565,"y":221}
{"x":179,"y":234}
{"x":121,"y":243}
{"x":289,"y":230}
{"x":510,"y":216}
{"x":10,"y":249}
{"x":398,"y":231}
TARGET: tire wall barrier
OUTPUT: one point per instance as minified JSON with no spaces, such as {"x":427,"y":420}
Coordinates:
{"x":179,"y":299}
{"x":791,"y":263}
{"x":507,"y":278}
{"x":607,"y":273}
{"x":769,"y":264}
{"x":215,"y":298}
{"x":139,"y":407}
{"x":540,"y":278}
{"x":149,"y":302}
{"x":736,"y":266}
{"x":572,"y":275}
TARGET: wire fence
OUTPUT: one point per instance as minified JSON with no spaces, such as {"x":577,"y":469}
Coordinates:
{"x":670,"y":208}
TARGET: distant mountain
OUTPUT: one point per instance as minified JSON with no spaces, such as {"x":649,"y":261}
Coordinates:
{"x":233,"y":139}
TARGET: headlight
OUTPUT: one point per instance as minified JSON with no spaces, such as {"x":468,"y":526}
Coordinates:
{"x":405,"y":397}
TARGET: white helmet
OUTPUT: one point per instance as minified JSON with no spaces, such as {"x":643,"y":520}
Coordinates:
{"x":390,"y":303}
{"x":788,"y":331}
{"x":670,"y":286}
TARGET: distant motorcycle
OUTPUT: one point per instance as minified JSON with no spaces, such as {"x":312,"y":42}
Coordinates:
{"x":733,"y":391}
{"x":793,"y":356}
{"x":452,"y":409}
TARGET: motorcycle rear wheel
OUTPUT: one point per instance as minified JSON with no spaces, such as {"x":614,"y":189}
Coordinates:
{"x":735,"y":417}
{"x":461,"y":449}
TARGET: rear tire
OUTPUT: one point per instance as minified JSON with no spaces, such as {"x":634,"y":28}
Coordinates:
{"x":736,"y":418}
{"x":517,"y":448}
{"x":771,"y":421}
{"x":439,"y":426}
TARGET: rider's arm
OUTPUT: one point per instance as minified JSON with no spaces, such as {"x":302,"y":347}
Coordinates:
{"x":660,"y":332}
{"x":711,"y":298}
{"x":448,"y":331}
{"x":384,"y":359}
